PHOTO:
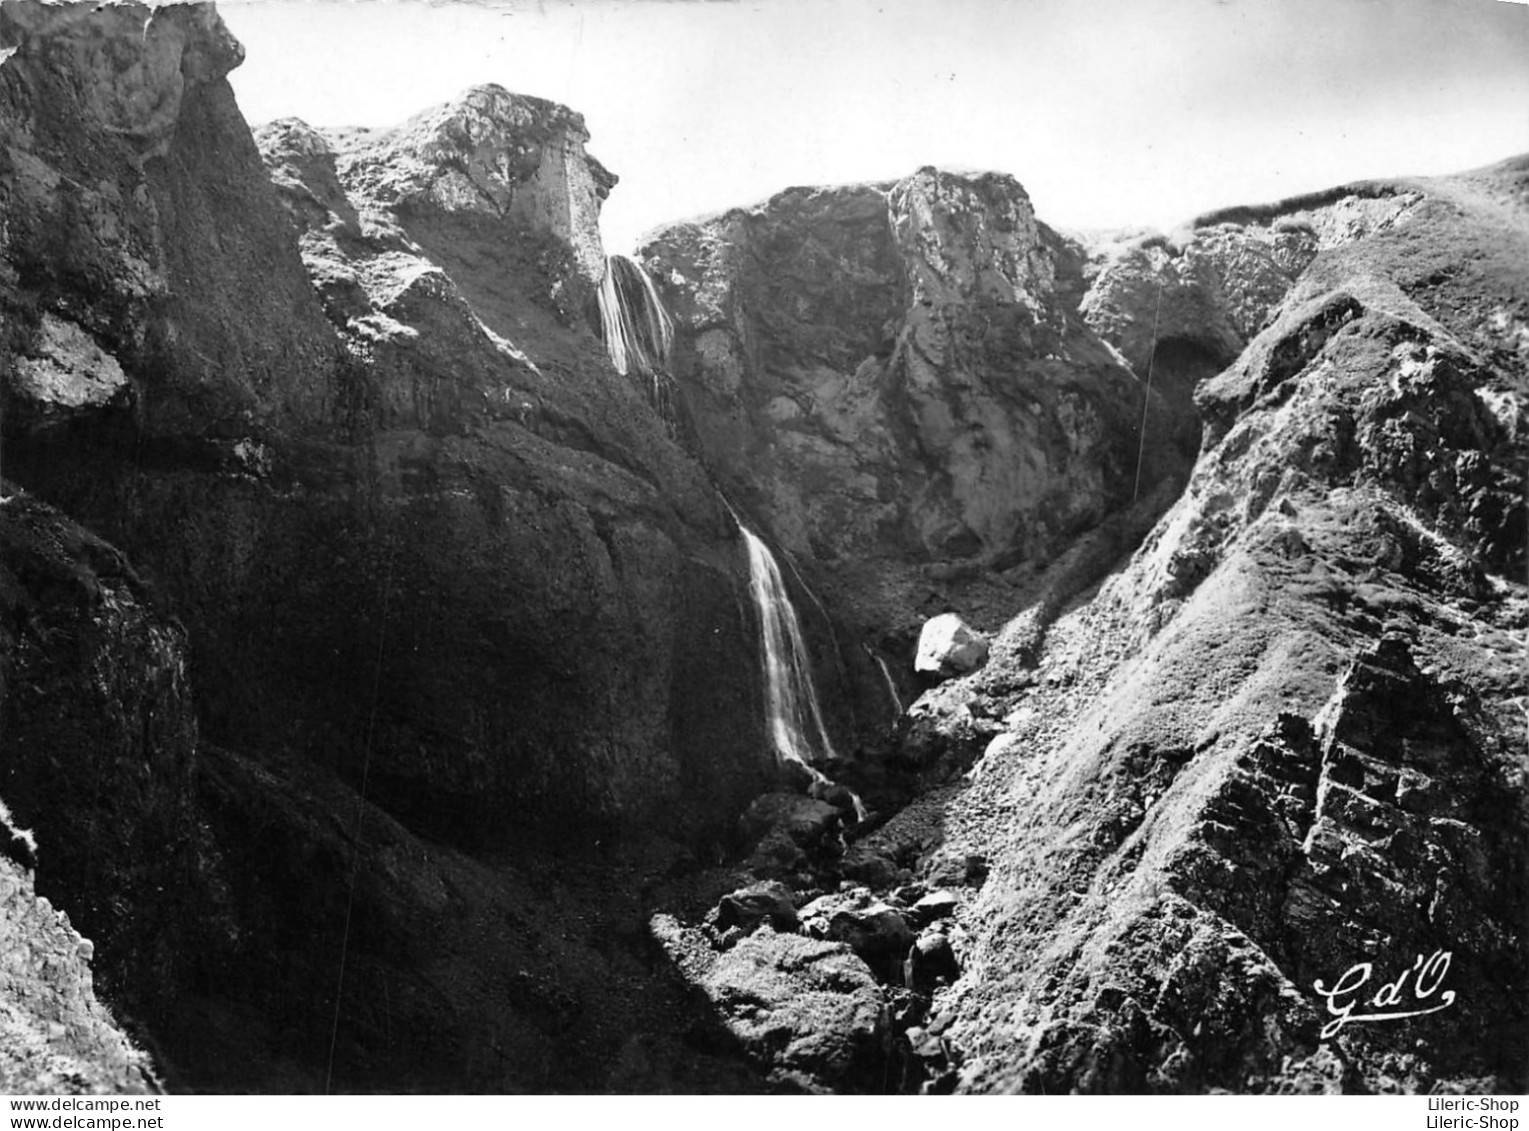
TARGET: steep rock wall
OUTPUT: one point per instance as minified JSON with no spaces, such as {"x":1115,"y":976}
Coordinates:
{"x":123,"y":160}
{"x":259,"y":925}
{"x":895,"y":372}
{"x":416,"y":526}
{"x":99,"y":752}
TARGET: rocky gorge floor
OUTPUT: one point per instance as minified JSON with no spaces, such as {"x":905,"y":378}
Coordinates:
{"x":382,"y":689}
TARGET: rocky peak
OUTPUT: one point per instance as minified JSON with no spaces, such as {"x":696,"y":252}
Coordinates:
{"x":301,"y":163}
{"x":134,"y":59}
{"x":1212,"y":285}
{"x":509,"y":156}
{"x":969,"y":236}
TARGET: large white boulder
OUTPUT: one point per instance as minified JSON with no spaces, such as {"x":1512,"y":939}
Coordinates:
{"x":949,"y":646}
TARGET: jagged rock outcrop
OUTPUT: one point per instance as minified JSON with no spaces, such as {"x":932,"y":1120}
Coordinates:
{"x":1283,"y":741}
{"x":55,"y":1036}
{"x":1202,"y":293}
{"x":506,"y":156}
{"x":899,"y":372}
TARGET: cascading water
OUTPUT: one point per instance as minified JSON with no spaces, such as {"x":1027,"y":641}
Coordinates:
{"x":639,"y":338}
{"x":886,"y":678}
{"x":791,"y":700}
{"x":792,"y":712}
{"x":638,"y":332}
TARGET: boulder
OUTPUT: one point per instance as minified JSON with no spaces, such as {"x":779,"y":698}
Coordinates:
{"x":939,"y":904}
{"x":806,"y":1010}
{"x":931,"y":961}
{"x":804,"y":820}
{"x":874,"y":930}
{"x":789,"y":829}
{"x":768,"y":901}
{"x":62,"y":373}
{"x":873,"y":868}
{"x":948,"y":646}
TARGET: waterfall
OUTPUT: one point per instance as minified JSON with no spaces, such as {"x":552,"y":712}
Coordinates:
{"x":639,"y":339}
{"x":886,"y":676}
{"x":791,"y":701}
{"x":638,"y":332}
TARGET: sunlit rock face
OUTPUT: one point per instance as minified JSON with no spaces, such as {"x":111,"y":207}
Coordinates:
{"x":57,"y":1036}
{"x":1179,"y":308}
{"x":948,"y":646}
{"x":507,"y":156}
{"x":895,"y":370}
{"x":1280,"y":750}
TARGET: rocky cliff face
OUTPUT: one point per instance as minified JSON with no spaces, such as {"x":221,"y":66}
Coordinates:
{"x":315,"y":454}
{"x":901,"y":372}
{"x":1267,"y":780}
{"x":1281,"y":742}
{"x":381,"y":696}
{"x":124,"y":160}
{"x":396,"y":529}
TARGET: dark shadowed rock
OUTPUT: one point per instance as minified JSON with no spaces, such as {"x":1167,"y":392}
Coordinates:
{"x":758,"y":903}
{"x":387,"y":490}
{"x":787,"y":830}
{"x":100,"y":744}
{"x":805,"y":820}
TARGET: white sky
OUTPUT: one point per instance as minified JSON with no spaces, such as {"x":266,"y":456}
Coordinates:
{"x":1110,"y":112}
